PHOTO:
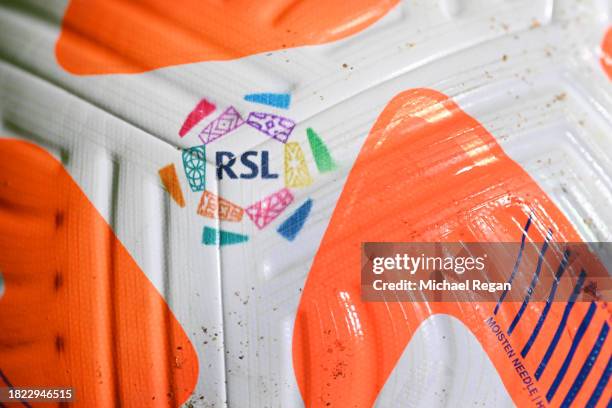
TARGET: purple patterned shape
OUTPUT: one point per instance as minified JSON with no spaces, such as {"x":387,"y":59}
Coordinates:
{"x":275,"y":126}
{"x":225,"y":123}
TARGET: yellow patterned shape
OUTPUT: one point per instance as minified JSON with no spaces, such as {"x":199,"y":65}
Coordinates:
{"x":296,"y":169}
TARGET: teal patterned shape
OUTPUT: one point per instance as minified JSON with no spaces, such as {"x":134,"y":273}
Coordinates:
{"x":194,"y":162}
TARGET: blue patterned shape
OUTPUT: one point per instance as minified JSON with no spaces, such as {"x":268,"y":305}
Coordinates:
{"x":292,"y":225}
{"x":271,"y":99}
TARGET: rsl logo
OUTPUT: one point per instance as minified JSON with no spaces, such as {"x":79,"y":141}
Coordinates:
{"x":248,"y":168}
{"x":251,"y":164}
{"x":288,"y":166}
{"x":248,"y":165}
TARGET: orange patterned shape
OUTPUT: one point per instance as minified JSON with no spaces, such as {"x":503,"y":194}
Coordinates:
{"x":104,"y":37}
{"x":428,"y":172}
{"x":77,"y":310}
{"x":213,"y":206}
{"x":171,"y":182}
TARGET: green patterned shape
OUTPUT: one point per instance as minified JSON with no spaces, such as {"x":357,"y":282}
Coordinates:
{"x":212,"y":236}
{"x":320,"y":152}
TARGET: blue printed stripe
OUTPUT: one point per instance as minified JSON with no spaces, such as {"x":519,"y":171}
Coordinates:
{"x":516,"y":264}
{"x":587,"y":366}
{"x":551,"y":297}
{"x":570,"y":355}
{"x":534,"y":282}
{"x":271,"y":99}
{"x":293,"y":225}
{"x":557,"y":336}
{"x":601,"y":386}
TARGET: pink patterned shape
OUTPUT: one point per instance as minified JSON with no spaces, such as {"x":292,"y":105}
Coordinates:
{"x":225,"y":123}
{"x":202,"y":109}
{"x":265,"y":211}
